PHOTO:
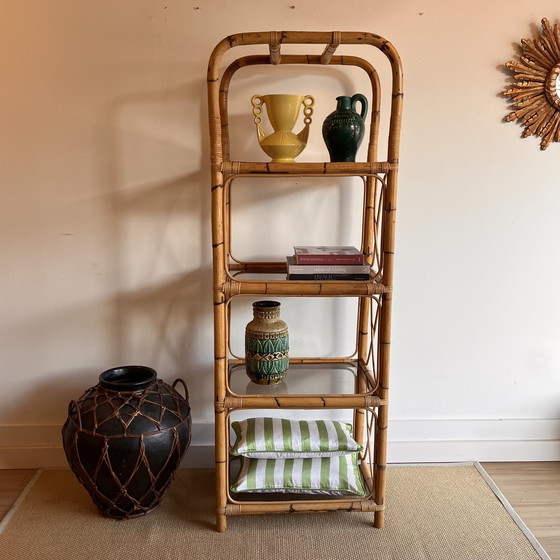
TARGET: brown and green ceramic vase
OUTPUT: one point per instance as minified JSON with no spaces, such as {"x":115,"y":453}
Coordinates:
{"x":266,"y":344}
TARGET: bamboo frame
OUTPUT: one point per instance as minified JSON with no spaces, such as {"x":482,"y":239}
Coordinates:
{"x":378,"y":235}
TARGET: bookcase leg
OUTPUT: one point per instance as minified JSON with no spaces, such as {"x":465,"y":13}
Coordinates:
{"x":221,"y":522}
{"x":221,"y":470}
{"x":221,"y":497}
{"x":383,"y":411}
{"x":380,"y":465}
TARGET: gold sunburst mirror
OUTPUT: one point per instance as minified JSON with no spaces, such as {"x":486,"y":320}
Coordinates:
{"x":535,"y":95}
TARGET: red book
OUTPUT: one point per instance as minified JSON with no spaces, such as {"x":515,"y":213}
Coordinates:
{"x":328,"y":255}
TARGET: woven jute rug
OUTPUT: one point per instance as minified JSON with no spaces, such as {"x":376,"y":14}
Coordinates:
{"x":433,"y":513}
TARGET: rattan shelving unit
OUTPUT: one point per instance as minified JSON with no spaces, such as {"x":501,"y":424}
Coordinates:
{"x":369,"y":366}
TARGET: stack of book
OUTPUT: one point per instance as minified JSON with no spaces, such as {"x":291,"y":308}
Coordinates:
{"x":327,"y":263}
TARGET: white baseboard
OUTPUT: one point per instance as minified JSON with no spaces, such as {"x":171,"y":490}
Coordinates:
{"x":443,"y":440}
{"x":410,"y":441}
{"x":31,"y":447}
{"x":40,"y":447}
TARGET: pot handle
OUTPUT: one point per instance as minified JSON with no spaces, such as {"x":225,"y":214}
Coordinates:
{"x":73,"y":413}
{"x":362,"y":99}
{"x":179,"y":380}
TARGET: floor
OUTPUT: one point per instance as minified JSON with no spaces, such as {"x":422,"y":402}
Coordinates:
{"x":533,"y":489}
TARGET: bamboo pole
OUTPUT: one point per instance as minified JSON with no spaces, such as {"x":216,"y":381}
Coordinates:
{"x":304,"y":402}
{"x":388,"y":241}
{"x":304,"y":288}
{"x":314,"y":38}
{"x":274,"y":47}
{"x":367,"y":476}
{"x":220,"y":308}
{"x":363,"y":340}
{"x":331,"y":48}
{"x":365,"y":372}
{"x":369,"y":248}
{"x":308,"y":168}
{"x":384,"y":349}
{"x":241,"y":508}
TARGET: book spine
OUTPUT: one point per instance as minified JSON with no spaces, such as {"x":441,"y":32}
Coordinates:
{"x":328,"y":269}
{"x":328,"y":276}
{"x":330,"y":259}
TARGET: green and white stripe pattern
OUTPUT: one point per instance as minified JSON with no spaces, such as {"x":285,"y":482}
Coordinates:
{"x":321,"y":475}
{"x":281,"y":438}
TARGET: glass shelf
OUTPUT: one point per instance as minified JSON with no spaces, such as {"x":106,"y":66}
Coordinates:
{"x":268,"y":276}
{"x":302,"y":379}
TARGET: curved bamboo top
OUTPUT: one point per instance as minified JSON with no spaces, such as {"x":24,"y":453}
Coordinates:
{"x":307,"y":37}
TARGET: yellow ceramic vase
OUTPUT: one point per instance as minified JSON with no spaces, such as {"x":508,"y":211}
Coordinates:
{"x":283,"y":111}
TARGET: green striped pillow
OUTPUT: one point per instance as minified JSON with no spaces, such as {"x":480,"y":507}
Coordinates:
{"x":262,"y":438}
{"x":320,"y":475}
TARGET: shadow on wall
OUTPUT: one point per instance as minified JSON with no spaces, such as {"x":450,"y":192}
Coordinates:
{"x":160,"y":236}
{"x":139,"y":287}
{"x":145,"y":296}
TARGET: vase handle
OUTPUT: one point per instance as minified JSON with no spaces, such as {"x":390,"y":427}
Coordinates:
{"x":362,"y":99}
{"x":307,"y":103}
{"x":179,"y":380}
{"x":257,"y":102}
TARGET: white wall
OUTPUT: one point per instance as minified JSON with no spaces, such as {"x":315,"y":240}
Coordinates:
{"x":105,"y":235}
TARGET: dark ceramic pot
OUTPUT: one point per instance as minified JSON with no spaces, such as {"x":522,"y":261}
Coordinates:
{"x":343,"y":129}
{"x":125,"y":438}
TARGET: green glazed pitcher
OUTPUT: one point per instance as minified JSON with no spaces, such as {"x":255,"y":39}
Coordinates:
{"x":343,"y":129}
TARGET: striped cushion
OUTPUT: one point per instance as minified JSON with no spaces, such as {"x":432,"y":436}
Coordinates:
{"x":321,"y":475}
{"x":262,"y":438}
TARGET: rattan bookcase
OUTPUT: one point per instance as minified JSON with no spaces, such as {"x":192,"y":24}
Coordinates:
{"x":369,"y":365}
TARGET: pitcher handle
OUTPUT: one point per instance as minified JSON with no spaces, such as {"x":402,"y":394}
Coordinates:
{"x":307,"y":103}
{"x":362,"y":99}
